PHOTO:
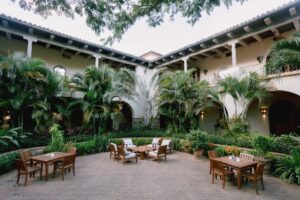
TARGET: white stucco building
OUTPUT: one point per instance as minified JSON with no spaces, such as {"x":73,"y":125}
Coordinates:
{"x":244,"y":47}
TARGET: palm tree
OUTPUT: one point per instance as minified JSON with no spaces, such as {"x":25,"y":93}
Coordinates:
{"x":284,"y":53}
{"x":25,"y":83}
{"x":181,"y":98}
{"x":243,"y":91}
{"x":102,"y":86}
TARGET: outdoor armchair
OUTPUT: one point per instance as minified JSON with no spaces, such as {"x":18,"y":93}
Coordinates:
{"x":256,"y":176}
{"x":155,"y":142}
{"x":160,"y":152}
{"x":125,"y":155}
{"x":23,"y":169}
{"x":113,"y":151}
{"x":211,"y":154}
{"x":67,"y":163}
{"x":168,"y":143}
{"x":218,"y":169}
{"x":127,"y":143}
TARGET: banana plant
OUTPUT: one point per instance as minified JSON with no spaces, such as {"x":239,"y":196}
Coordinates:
{"x":12,"y":136}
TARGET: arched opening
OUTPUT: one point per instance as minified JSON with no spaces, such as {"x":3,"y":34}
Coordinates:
{"x":123,"y":121}
{"x":284,"y":113}
{"x":212,"y":119}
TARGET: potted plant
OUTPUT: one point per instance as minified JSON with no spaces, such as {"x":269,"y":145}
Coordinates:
{"x":198,"y":142}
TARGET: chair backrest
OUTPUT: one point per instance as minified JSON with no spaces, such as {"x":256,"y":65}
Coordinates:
{"x":166,"y":142}
{"x":259,"y":171}
{"x":155,"y":141}
{"x":212,"y":154}
{"x":21,"y":166}
{"x":72,"y":150}
{"x":127,"y":141}
{"x":69,"y":159}
{"x":25,"y":156}
{"x":113,"y":147}
{"x":246,"y":156}
{"x":217,"y":165}
{"x":121,"y":151}
{"x":162,"y":149}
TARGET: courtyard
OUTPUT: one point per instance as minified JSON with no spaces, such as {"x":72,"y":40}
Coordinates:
{"x":180,"y":177}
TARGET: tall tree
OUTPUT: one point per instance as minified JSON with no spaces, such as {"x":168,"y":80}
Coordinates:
{"x":119,"y":15}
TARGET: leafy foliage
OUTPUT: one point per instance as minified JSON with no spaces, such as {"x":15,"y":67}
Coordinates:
{"x":101,"y":86}
{"x":197,"y":139}
{"x":284,"y":53}
{"x":180,"y":98}
{"x":288,"y":167}
{"x":119,"y":15}
{"x":261,"y":145}
{"x":7,"y":162}
{"x":243,"y":91}
{"x":13,"y":136}
{"x":26,"y":83}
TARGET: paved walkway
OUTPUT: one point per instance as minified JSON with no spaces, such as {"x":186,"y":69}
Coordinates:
{"x":181,"y":177}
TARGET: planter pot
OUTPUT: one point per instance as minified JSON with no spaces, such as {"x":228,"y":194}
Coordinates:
{"x":267,"y":162}
{"x":198,"y":153}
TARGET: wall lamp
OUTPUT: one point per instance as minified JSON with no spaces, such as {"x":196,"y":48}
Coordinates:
{"x":205,"y":71}
{"x":260,"y":58}
{"x":263,"y":111}
{"x":202,"y":113}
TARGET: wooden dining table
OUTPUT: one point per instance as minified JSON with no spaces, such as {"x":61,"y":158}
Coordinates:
{"x":49,"y":158}
{"x":239,"y":166}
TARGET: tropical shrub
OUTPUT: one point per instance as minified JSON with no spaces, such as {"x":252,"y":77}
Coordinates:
{"x":12,"y":136}
{"x":220,"y":151}
{"x":288,"y":167}
{"x":284,"y":53}
{"x":261,"y":145}
{"x":57,"y":139}
{"x":197,"y":139}
{"x":283,"y":144}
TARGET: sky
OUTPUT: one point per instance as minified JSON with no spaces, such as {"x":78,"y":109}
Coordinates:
{"x":141,"y":38}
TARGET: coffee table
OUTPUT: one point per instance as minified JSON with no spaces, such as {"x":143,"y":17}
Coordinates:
{"x":141,"y":150}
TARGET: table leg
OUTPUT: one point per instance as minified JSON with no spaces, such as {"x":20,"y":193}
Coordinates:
{"x":142,"y":155}
{"x":239,"y":178}
{"x":46,"y":175}
{"x":41,"y":173}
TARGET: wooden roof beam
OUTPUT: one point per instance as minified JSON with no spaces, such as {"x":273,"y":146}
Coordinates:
{"x":275,"y":32}
{"x":268,"y":21}
{"x":50,"y":38}
{"x":245,"y":44}
{"x":293,"y":11}
{"x":257,"y":38}
{"x":296,"y":24}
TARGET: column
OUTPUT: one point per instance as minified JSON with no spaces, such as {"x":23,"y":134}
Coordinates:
{"x":185,"y":62}
{"x":30,"y":40}
{"x":97,"y":57}
{"x":233,"y":51}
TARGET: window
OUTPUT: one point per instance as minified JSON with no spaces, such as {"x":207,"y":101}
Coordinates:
{"x":60,"y":70}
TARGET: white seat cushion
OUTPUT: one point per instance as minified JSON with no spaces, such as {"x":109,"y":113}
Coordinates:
{"x":130,"y":155}
{"x":153,"y":153}
{"x":127,"y":141}
{"x":130,"y":146}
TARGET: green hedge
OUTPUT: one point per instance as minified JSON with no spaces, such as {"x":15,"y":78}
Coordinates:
{"x":7,"y":162}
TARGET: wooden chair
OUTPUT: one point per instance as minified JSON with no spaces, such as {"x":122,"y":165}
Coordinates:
{"x":127,"y":143}
{"x":72,"y":150}
{"x":160,"y":152}
{"x":67,"y":163}
{"x":211,"y":154}
{"x":25,"y":156}
{"x":113,"y":151}
{"x":218,"y":169}
{"x":125,"y":155}
{"x":23,"y":169}
{"x":155,"y":142}
{"x":256,"y":176}
{"x":168,"y":143}
{"x":247,"y":156}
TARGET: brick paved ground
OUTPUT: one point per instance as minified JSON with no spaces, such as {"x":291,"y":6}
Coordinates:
{"x":181,"y":177}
